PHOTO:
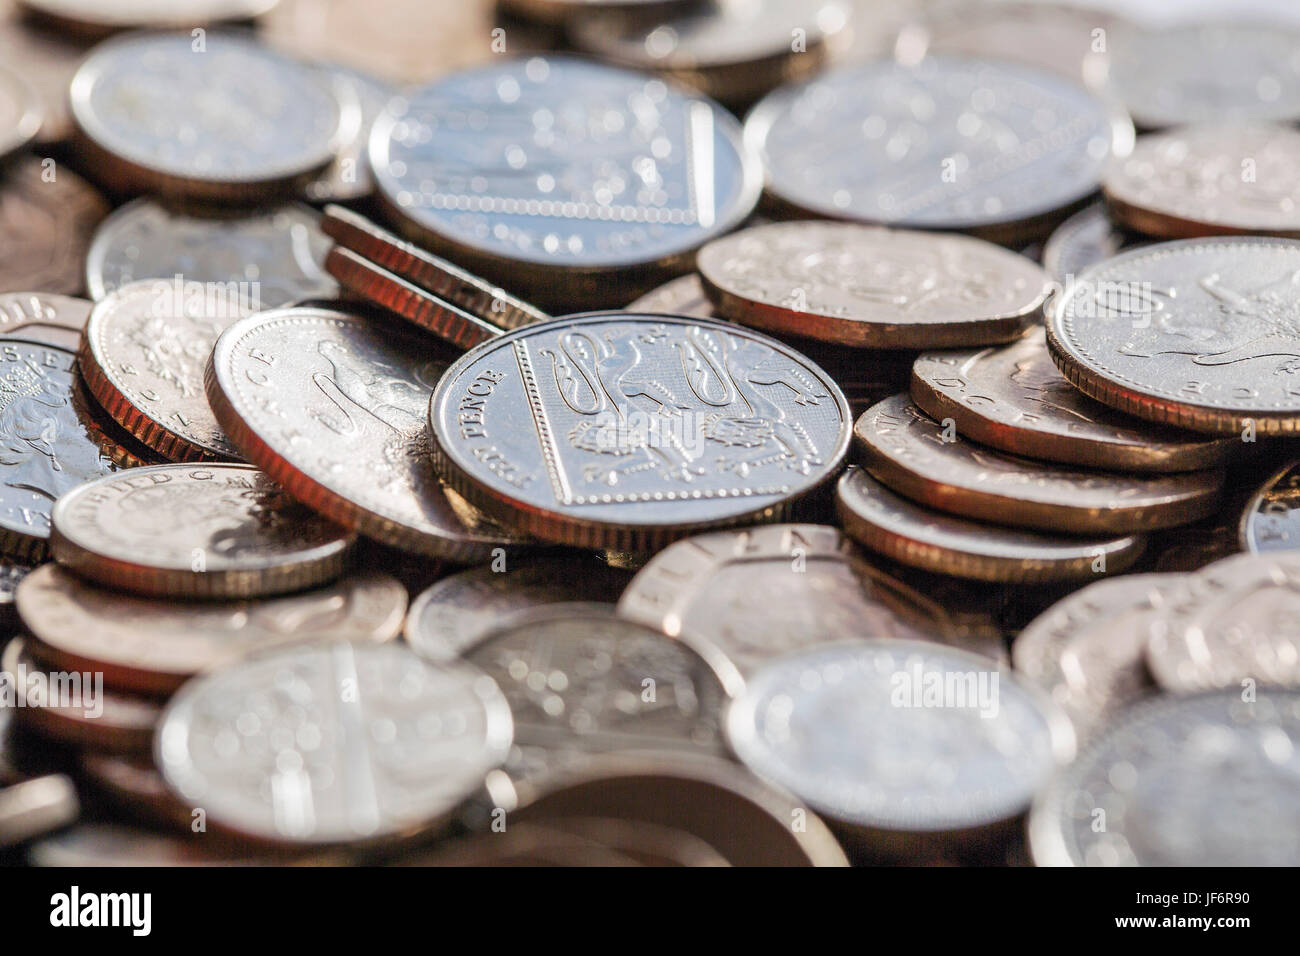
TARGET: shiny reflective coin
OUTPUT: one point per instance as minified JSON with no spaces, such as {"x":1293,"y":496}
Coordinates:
{"x":10,"y":574}
{"x":1209,"y":180}
{"x":998,"y":148}
{"x":235,"y":121}
{"x":1207,"y":73}
{"x":681,"y":296}
{"x":1239,"y":631}
{"x":269,"y":257}
{"x":45,"y":227}
{"x":1272,"y":519}
{"x":45,"y":60}
{"x":905,"y":744}
{"x":153,"y":646}
{"x":96,"y":18}
{"x":1198,"y":333}
{"x":46,"y":447}
{"x":210,"y":531}
{"x":932,"y":464}
{"x":348,"y":177}
{"x":58,"y":319}
{"x":1014,"y":398}
{"x":35,"y":807}
{"x":120,"y":446}
{"x":872,"y":288}
{"x":626,"y":431}
{"x":1207,"y":780}
{"x":919,"y":537}
{"x":20,"y":112}
{"x":459,"y":610}
{"x":333,"y":406}
{"x":1085,"y":239}
{"x":348,"y":743}
{"x":444,"y":279}
{"x":551,"y":174}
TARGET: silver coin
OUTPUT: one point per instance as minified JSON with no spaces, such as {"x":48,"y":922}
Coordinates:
{"x":681,"y":296}
{"x":1207,"y":780}
{"x":267,"y":257}
{"x":624,"y":431}
{"x":1271,"y":521}
{"x":1085,"y":239}
{"x":20,"y":112}
{"x":349,"y":176}
{"x":949,"y":143}
{"x":35,"y":807}
{"x":115,"y":845}
{"x":97,"y":17}
{"x":333,"y":744}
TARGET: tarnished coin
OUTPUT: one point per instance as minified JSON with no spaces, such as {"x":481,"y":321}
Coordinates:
{"x":96,"y":18}
{"x":1085,"y":239}
{"x":21,"y":112}
{"x":59,"y":319}
{"x":233,"y":121}
{"x":444,"y":279}
{"x":459,"y":610}
{"x":916,"y":536}
{"x":347,"y":743}
{"x":153,"y":646}
{"x":47,"y":61}
{"x":35,"y":807}
{"x":930,"y":463}
{"x":993,"y":147}
{"x":1210,"y":179}
{"x":1271,"y":521}
{"x":1014,"y":398}
{"x":46,"y":446}
{"x":348,"y":177}
{"x":550,"y":174}
{"x":210,"y":531}
{"x":684,"y":295}
{"x":1207,"y":73}
{"x":1207,"y":780}
{"x":903,"y":744}
{"x":268,"y":257}
{"x":625,"y":431}
{"x":1200,"y":333}
{"x":47,"y":216}
{"x":332,"y":405}
{"x":873,"y":288}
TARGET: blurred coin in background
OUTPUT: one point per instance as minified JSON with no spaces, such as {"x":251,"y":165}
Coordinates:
{"x":47,"y":217}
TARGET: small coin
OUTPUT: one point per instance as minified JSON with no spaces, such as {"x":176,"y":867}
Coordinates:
{"x":21,"y":112}
{"x":59,"y":319}
{"x":866,"y":733}
{"x":930,"y":463}
{"x":1014,"y":398}
{"x":1085,"y":239}
{"x":267,"y":257}
{"x":48,"y":62}
{"x":47,"y":216}
{"x":1164,"y":774}
{"x":1271,"y":521}
{"x":625,"y":431}
{"x":684,"y":295}
{"x":459,"y":610}
{"x":394,"y":755}
{"x":1209,"y":180}
{"x":95,"y":18}
{"x":200,"y":531}
{"x":919,"y":537}
{"x":153,"y":646}
{"x":999,"y":148}
{"x":235,"y":121}
{"x":332,"y":405}
{"x":35,"y":807}
{"x":443,"y":279}
{"x":348,"y":177}
{"x":1196,"y":333}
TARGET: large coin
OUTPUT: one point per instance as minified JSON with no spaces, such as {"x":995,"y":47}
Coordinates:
{"x":1200,"y":333}
{"x":627,"y":431}
{"x":928,"y":462}
{"x":269,"y":257}
{"x":47,"y":216}
{"x":56,"y":318}
{"x":231,"y":121}
{"x":1207,"y":780}
{"x":20,"y":112}
{"x":96,"y":18}
{"x":948,"y":143}
{"x":154,"y":646}
{"x":919,"y":537}
{"x":552,"y":174}
{"x":1271,"y":521}
{"x":210,"y":531}
{"x":333,"y":743}
{"x":1085,"y":239}
{"x":873,"y":288}
{"x":332,"y":405}
{"x":1014,"y":398}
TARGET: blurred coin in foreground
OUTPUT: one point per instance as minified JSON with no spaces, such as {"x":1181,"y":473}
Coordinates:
{"x":96,"y":18}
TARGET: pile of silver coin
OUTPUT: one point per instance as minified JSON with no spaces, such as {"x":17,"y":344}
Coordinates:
{"x":656,"y":432}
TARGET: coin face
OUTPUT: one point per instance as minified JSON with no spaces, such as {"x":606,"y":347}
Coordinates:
{"x":347,"y":743}
{"x":681,"y":296}
{"x":1162,"y":776}
{"x":20,"y":112}
{"x":1083,"y":240}
{"x":996,"y":146}
{"x":625,"y":431}
{"x":233,"y":120}
{"x":153,"y":646}
{"x":212,"y":531}
{"x":457,"y":611}
{"x":58,"y":319}
{"x":1272,"y":519}
{"x":619,"y":170}
{"x":930,"y":463}
{"x":268,"y":258}
{"x":349,"y":177}
{"x":917,"y":536}
{"x":45,"y":227}
{"x":1197,"y":333}
{"x":332,"y":406}
{"x":1015,"y":398}
{"x":868,"y":735}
